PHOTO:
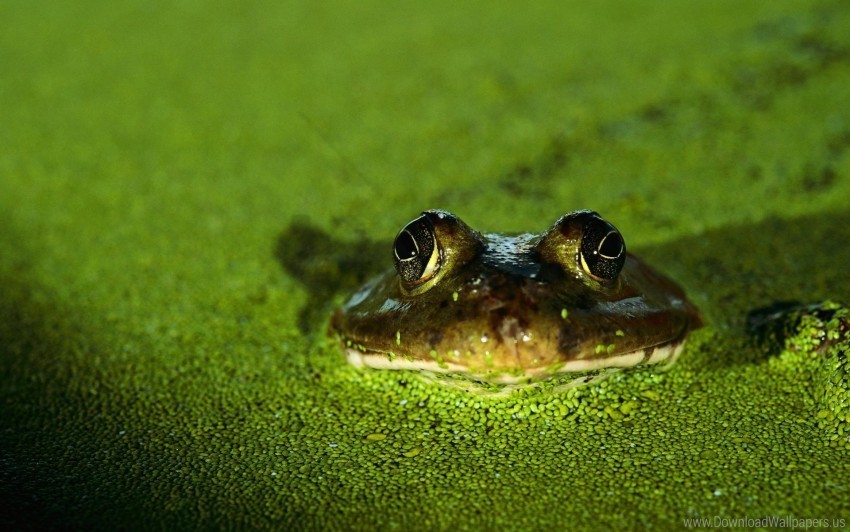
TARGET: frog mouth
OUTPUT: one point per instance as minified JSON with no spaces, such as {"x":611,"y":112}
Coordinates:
{"x":585,"y":369}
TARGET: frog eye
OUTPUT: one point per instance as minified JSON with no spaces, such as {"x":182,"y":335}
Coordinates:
{"x":602,"y":249}
{"x":415,"y":251}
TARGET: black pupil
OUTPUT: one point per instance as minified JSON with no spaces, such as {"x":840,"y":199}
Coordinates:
{"x":611,"y":246}
{"x":413,"y":248}
{"x":405,"y":247}
{"x":602,"y":249}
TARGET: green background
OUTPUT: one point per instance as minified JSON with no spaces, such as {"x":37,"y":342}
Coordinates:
{"x":183,"y":183}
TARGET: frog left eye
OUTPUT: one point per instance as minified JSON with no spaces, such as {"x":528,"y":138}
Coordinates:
{"x":602,"y":249}
{"x":415,"y":251}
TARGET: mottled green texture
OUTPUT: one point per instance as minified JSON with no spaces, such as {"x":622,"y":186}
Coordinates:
{"x":154,"y":158}
{"x":816,"y":351}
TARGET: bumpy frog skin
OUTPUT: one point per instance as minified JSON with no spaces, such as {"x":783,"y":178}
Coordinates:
{"x":512,"y":309}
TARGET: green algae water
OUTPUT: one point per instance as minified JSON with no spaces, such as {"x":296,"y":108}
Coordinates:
{"x":187,"y":190}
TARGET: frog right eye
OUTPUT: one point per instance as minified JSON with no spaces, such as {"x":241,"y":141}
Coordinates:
{"x":602,"y":251}
{"x":416,"y":253}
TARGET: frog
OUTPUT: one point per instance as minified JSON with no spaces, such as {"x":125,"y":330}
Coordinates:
{"x":514,"y":309}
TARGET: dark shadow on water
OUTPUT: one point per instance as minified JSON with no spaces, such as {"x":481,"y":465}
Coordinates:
{"x":732,"y":273}
{"x":771,"y":325}
{"x":328,"y":266}
{"x":35,"y":334}
{"x":749,"y":280}
{"x":736,"y":269}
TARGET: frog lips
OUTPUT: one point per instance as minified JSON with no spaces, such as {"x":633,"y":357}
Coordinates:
{"x":508,"y":330}
{"x":666,"y":352}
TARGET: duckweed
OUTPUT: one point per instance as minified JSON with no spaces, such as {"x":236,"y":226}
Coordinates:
{"x":161,"y":367}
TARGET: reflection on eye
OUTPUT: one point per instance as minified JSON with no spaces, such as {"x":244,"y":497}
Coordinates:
{"x":602,"y":250}
{"x":415,"y":252}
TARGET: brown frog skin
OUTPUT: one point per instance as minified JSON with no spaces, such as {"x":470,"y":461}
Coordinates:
{"x":512,"y":309}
